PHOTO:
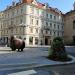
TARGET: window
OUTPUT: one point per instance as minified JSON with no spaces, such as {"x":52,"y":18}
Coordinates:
{"x":12,"y":13}
{"x":20,"y":37}
{"x":62,"y":33}
{"x":47,"y":15}
{"x":46,"y":23}
{"x":50,"y":16}
{"x":36,"y":22}
{"x":54,"y":25}
{"x":36,"y":40}
{"x":58,"y":26}
{"x":74,"y":39}
{"x":41,"y":31}
{"x":50,"y":42}
{"x":21,"y":10}
{"x":7,"y":31}
{"x":17,"y":30}
{"x":8,"y":15}
{"x":54,"y":17}
{"x":36,"y":30}
{"x":46,"y":32}
{"x":20,"y":21}
{"x":50,"y":32}
{"x":31,"y":21}
{"x":11,"y":22}
{"x":31,"y":30}
{"x":54,"y":33}
{"x":62,"y":27}
{"x":51,"y":25}
{"x":30,"y":40}
{"x":58,"y":33}
{"x":17,"y":11}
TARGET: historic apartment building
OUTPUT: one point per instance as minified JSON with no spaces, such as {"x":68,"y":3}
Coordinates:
{"x":32,"y":21}
{"x":1,"y":24}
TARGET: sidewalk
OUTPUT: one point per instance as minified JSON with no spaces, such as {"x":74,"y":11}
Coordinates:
{"x":5,"y":49}
{"x":28,"y":59}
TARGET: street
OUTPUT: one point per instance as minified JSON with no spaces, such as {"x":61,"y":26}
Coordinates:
{"x":55,"y":70}
{"x":28,"y":54}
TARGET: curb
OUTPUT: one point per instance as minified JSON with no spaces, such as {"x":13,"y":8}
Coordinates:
{"x":35,"y":65}
{"x":15,"y":66}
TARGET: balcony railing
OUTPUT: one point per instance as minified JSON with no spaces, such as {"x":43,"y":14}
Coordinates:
{"x":46,"y":27}
{"x":11,"y":26}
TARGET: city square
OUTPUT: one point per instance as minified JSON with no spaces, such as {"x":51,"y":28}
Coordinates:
{"x":33,"y":60}
{"x":37,"y":37}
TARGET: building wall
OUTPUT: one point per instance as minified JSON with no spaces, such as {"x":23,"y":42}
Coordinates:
{"x":1,"y":25}
{"x":35,"y":25}
{"x":69,"y":31}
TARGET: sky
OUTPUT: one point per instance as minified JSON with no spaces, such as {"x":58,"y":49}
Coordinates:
{"x":63,"y":5}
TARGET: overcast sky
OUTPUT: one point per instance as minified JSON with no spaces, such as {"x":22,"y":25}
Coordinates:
{"x":62,"y":5}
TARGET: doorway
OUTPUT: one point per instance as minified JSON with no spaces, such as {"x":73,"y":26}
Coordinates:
{"x":46,"y":41}
{"x":74,"y":40}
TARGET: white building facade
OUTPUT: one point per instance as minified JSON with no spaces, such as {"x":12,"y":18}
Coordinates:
{"x":1,"y":24}
{"x":33,"y":22}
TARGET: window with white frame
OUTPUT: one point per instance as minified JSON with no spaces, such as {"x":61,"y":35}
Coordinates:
{"x":46,"y":23}
{"x":54,"y":17}
{"x":58,"y":26}
{"x":54,"y":26}
{"x":21,"y":21}
{"x":31,"y":30}
{"x":37,"y":22}
{"x":36,"y":30}
{"x":51,"y":25}
{"x":50,"y":16}
{"x":31,"y":21}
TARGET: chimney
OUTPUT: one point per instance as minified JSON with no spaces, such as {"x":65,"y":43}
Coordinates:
{"x":27,"y":1}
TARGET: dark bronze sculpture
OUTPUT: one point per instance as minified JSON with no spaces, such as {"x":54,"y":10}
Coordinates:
{"x":16,"y":43}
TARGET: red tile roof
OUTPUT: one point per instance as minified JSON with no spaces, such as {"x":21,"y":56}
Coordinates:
{"x":40,"y":5}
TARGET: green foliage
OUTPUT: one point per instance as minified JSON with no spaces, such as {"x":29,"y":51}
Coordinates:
{"x":57,"y":43}
{"x":57,"y":50}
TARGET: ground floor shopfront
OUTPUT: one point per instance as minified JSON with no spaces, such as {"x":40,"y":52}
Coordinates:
{"x":30,"y":40}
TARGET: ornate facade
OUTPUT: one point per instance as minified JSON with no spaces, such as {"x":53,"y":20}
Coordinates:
{"x":1,"y":24}
{"x":32,"y":21}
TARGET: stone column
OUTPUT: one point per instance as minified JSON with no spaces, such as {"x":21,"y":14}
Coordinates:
{"x":33,"y":40}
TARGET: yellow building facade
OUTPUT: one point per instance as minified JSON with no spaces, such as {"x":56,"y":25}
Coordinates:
{"x":69,"y":27}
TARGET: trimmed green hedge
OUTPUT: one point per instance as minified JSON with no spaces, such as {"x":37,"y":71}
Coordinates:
{"x":57,"y":50}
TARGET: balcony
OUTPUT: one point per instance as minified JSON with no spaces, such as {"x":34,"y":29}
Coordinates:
{"x":46,"y":27}
{"x":11,"y":26}
{"x":22,"y":25}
